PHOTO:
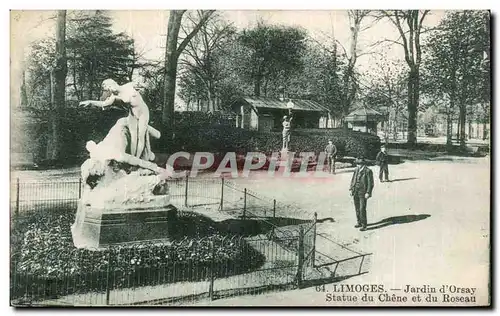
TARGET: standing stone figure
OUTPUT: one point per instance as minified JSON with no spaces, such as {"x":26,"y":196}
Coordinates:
{"x":287,"y":120}
{"x":137,"y":120}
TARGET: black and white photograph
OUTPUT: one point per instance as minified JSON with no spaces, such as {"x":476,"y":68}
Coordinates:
{"x":330,"y":158}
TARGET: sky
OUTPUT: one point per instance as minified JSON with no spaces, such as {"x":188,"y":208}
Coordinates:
{"x":148,"y":28}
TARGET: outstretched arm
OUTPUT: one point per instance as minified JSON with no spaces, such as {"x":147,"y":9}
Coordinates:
{"x":109,"y":101}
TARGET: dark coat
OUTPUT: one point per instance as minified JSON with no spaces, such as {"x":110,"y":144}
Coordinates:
{"x":382,"y":158}
{"x":363,"y":183}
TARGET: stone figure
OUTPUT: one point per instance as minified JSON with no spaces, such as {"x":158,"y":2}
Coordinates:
{"x":137,"y":120}
{"x":125,"y":195}
{"x":287,"y":120}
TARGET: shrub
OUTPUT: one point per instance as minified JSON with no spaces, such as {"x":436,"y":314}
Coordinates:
{"x":43,"y":257}
{"x":225,"y":139}
{"x":194,"y":131}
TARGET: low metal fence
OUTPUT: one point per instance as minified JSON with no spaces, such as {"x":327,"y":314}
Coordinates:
{"x":279,"y":254}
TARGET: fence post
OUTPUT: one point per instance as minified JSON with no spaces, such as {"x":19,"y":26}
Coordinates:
{"x":274,"y":208}
{"x":300,"y":255}
{"x":361,"y":264}
{"x":80,"y":188}
{"x":108,"y":287}
{"x":186,"y":190}
{"x":244,"y":203}
{"x":17,"y":199}
{"x":212,"y":272}
{"x":222,"y":195}
{"x":313,"y":255}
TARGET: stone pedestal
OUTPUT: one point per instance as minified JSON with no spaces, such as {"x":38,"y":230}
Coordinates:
{"x":123,"y":208}
{"x":97,"y":227}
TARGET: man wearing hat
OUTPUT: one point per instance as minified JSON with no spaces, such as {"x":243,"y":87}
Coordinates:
{"x":361,"y":190}
{"x":383,"y":162}
{"x":331,"y":152}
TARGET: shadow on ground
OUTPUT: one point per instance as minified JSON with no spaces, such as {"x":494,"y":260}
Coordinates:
{"x":396,"y":220}
{"x":402,"y":179}
{"x":253,"y":227}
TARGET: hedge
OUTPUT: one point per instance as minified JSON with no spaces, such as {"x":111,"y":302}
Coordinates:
{"x":193,"y":132}
{"x":226,"y":139}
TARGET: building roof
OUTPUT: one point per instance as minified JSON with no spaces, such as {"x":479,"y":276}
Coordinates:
{"x":363,"y":113}
{"x":272,"y":103}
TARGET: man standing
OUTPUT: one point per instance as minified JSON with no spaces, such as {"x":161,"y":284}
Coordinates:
{"x":361,"y":190}
{"x":331,"y":152}
{"x":383,"y":162}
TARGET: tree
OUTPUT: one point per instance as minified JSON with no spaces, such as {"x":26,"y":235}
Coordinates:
{"x":356,"y":18}
{"x":204,"y":62}
{"x":320,"y":79}
{"x":93,"y":52}
{"x":38,"y":84}
{"x":172,"y":53}
{"x":359,"y":21}
{"x":387,"y":92}
{"x":455,"y":66}
{"x":409,"y":25}
{"x":96,"y":53}
{"x":271,"y":55}
{"x":58,"y":84}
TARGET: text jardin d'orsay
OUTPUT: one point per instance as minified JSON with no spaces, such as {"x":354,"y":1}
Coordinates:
{"x":377,"y":293}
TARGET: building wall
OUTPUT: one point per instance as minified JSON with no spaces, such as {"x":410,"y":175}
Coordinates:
{"x":254,"y":120}
{"x":266,"y":123}
{"x":362,"y":127}
{"x":245,"y":117}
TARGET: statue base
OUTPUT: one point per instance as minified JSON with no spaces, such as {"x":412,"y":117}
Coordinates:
{"x":117,"y":207}
{"x":97,"y":228}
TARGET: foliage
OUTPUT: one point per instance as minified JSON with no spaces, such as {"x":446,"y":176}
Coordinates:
{"x":94,"y":53}
{"x":45,"y":254}
{"x":320,"y":79}
{"x":223,"y":139}
{"x":271,"y":54}
{"x":456,"y":70}
{"x":409,"y":24}
{"x":387,"y":91}
{"x":204,"y":63}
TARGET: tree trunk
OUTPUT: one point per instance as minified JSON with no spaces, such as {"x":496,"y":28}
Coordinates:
{"x":24,"y":94}
{"x":58,"y":83}
{"x":256,"y":88}
{"x":412,"y":107}
{"x":171,"y":57}
{"x":449,"y":133}
{"x":470,"y":129}
{"x":462,"y":125}
{"x":395,"y":127}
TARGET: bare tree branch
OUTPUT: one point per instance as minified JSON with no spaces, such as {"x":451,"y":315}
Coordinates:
{"x":195,"y":30}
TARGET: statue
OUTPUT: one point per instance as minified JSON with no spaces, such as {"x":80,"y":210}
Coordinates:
{"x":137,"y":120}
{"x":125,"y":195}
{"x":287,"y":120}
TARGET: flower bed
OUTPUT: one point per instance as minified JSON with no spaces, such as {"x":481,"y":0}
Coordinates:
{"x":45,"y":264}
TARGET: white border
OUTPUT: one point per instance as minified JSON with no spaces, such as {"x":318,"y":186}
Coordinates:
{"x":198,"y":4}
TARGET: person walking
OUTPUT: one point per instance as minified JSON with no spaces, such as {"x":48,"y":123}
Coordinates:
{"x":383,"y":162}
{"x":361,"y":190}
{"x":331,"y":152}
